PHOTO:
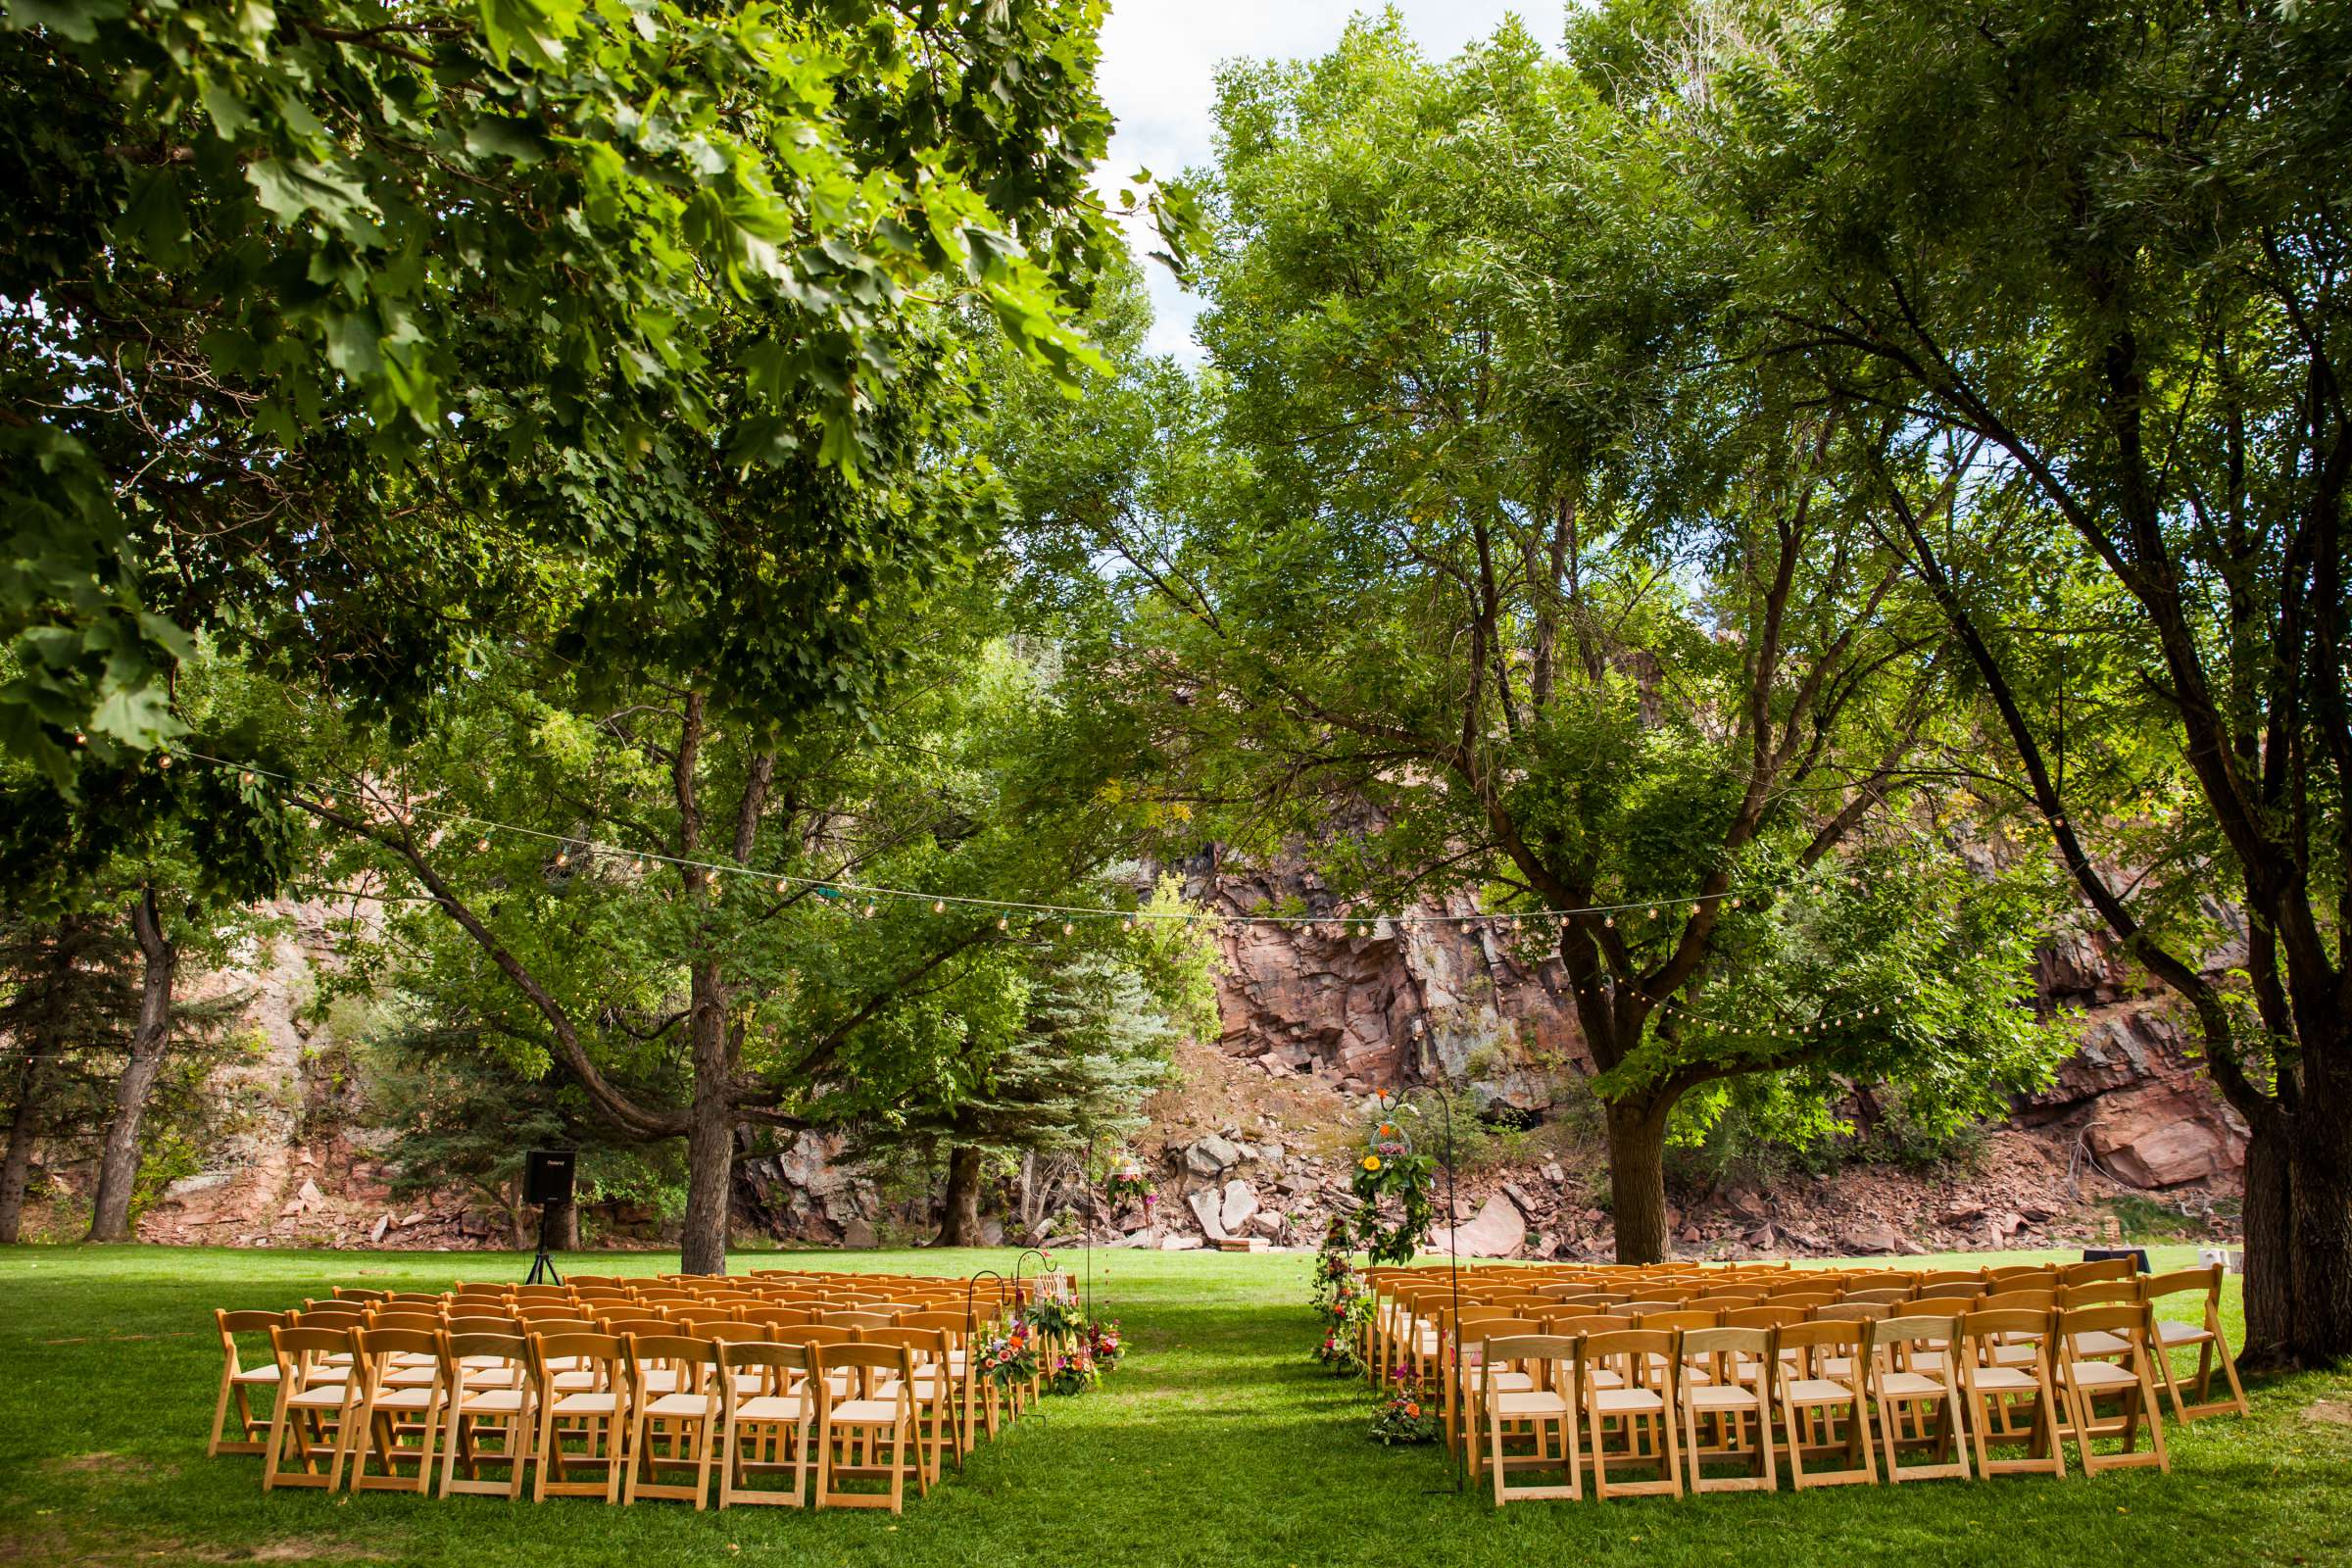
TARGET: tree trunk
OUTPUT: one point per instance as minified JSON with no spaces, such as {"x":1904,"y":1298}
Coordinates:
{"x":2319,"y":1203}
{"x":2269,"y":1223}
{"x":16,"y":1169}
{"x":961,"y":1225}
{"x":710,"y":1131}
{"x":563,"y":1226}
{"x":1637,"y":1178}
{"x":118,"y":1156}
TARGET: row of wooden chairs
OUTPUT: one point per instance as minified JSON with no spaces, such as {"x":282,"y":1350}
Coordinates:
{"x":645,"y":1394}
{"x":1827,"y":1400}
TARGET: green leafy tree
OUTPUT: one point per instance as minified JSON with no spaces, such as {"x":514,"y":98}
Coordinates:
{"x":1481,"y":539}
{"x":355,"y":335}
{"x":2086,"y":266}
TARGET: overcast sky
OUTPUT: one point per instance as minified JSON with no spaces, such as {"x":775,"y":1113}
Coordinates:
{"x":1158,"y":58}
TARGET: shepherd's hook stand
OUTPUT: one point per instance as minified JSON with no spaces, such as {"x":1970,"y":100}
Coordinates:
{"x":1453,"y":1260}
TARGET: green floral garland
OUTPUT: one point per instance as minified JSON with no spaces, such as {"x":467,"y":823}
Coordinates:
{"x":1393,"y":1170}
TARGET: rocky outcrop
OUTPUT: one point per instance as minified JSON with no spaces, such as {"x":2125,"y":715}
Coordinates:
{"x":1405,"y":1000}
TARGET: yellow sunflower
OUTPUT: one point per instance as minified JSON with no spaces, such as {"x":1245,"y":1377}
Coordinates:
{"x":1371,"y":1163}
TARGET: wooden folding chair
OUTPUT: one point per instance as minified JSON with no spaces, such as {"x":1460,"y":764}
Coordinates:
{"x":2084,"y":1377}
{"x":2205,"y":1338}
{"x":595,"y":1416}
{"x":1727,"y":1406}
{"x":1919,"y":1407}
{"x":1538,"y":1408}
{"x":486,"y":1374}
{"x":1831,"y":1358}
{"x":313,"y":1410}
{"x":929,"y":1387}
{"x":2005,"y":1360}
{"x":674,"y":1430}
{"x":397,"y":1414}
{"x":1612,"y":1397}
{"x":863,"y":1435}
{"x":962,"y":1399}
{"x":766,"y":1422}
{"x":238,"y":1382}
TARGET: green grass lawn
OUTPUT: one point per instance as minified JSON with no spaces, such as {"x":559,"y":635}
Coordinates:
{"x":1219,"y":1443}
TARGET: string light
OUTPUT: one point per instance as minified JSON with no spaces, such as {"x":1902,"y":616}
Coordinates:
{"x":711,"y":875}
{"x":482,"y":844}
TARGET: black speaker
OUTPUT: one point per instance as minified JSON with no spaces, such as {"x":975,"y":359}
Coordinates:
{"x":547,"y":1175}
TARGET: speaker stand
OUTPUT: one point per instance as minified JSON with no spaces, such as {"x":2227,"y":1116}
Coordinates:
{"x":543,"y":1267}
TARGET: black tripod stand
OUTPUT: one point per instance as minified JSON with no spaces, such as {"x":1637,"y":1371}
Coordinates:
{"x":543,"y":1267}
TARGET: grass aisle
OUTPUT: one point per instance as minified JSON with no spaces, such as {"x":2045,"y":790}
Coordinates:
{"x":1219,"y":1444}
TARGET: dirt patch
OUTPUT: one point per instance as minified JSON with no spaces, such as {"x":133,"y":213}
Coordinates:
{"x":2330,"y":1412}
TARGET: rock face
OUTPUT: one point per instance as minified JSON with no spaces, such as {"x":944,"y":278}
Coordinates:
{"x":2135,"y":1101}
{"x":1496,"y":1230}
{"x":1415,"y":999}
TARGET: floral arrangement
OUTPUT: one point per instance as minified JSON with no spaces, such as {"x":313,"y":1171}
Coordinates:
{"x":1390,"y":1170}
{"x":1073,"y":1372}
{"x":1007,"y":1356}
{"x":1127,"y":1181}
{"x":1051,"y":1318}
{"x":1403,"y":1418}
{"x":1105,"y":1344}
{"x":1342,"y":1331}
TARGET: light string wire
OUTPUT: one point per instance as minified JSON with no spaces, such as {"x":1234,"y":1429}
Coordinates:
{"x":590,"y":848}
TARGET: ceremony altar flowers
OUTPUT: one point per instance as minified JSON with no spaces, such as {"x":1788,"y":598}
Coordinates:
{"x":1126,"y":1180}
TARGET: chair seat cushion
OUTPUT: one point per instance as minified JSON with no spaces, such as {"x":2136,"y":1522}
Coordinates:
{"x":493,"y":1401}
{"x":677,"y":1404}
{"x":2005,"y":1380}
{"x":256,"y":1374}
{"x":2099,"y":1343}
{"x":1818,"y":1390}
{"x":588,"y":1404}
{"x":1529,"y":1401}
{"x":1909,"y":1385}
{"x":2183,"y":1332}
{"x":866,"y":1412}
{"x":1723,"y":1396}
{"x":1626,"y":1401}
{"x":2100,"y":1375}
{"x":770,"y":1408}
{"x":316,"y":1398}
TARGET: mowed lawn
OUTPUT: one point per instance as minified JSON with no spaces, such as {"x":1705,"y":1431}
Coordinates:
{"x":1219,"y":1444}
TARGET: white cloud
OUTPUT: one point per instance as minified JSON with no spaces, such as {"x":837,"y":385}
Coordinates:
{"x":1160,"y":59}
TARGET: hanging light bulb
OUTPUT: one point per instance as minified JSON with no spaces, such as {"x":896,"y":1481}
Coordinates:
{"x":164,"y":760}
{"x":80,"y":739}
{"x":1003,"y":922}
{"x":562,"y":857}
{"x":1609,"y":920}
{"x":1067,"y":928}
{"x":939,"y":906}
{"x":246,"y":778}
{"x":482,"y":844}
{"x":1127,"y":924}
{"x":1735,"y":901}
{"x":869,"y":907}
{"x":782,"y":886}
{"x":328,"y":803}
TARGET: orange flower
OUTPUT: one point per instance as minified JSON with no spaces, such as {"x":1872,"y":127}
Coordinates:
{"x":1371,"y":1163}
{"x":1412,"y":1409}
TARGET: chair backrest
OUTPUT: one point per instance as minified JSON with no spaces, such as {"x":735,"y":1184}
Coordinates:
{"x":607,"y":1351}
{"x":2105,"y":1268}
{"x":1880,"y":1282}
{"x":1763,"y":1317}
{"x":486,"y":1323}
{"x":1938,"y":1305}
{"x":1506,"y":1349}
{"x":373,"y":1346}
{"x":1727,"y":1294}
{"x":234,"y":1323}
{"x":2098,"y":1293}
{"x":824,"y":1358}
{"x":1952,"y":1281}
{"x":1755,"y":1344}
{"x":1686,"y":1319}
{"x":1980,"y":1330}
{"x":2205,"y":1282}
{"x":691,"y":1358}
{"x":737,"y":1356}
{"x":456,"y":1346}
{"x":2133,"y":1320}
{"x":1892,"y":1336}
{"x":1808,"y":1299}
{"x":948,"y":1321}
{"x":432,"y":1299}
{"x":636,"y":1322}
{"x":1827,"y":1334}
{"x":1880,"y":1298}
{"x":2006,"y":1299}
{"x":812,"y":1334}
{"x":1574,"y":1323}
{"x":354,"y":1292}
{"x":696,"y":1321}
{"x":1632,"y":1345}
{"x":297,"y":1348}
{"x":326,"y":1316}
{"x":428,"y":1321}
{"x":1850,"y":1313}
{"x":781,"y":1315}
{"x":859,"y":1320}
